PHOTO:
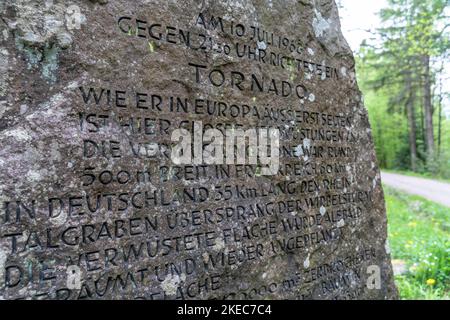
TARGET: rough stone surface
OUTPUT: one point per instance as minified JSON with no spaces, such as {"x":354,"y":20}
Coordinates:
{"x":121,"y":220}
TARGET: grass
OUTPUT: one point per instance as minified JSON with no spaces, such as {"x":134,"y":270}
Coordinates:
{"x":419,"y":235}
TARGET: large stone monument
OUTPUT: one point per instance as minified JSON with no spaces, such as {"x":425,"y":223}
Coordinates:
{"x":118,"y":176}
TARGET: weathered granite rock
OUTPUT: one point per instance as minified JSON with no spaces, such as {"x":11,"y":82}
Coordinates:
{"x":92,"y":204}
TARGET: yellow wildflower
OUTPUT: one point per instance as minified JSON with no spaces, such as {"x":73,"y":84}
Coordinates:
{"x":431,"y":282}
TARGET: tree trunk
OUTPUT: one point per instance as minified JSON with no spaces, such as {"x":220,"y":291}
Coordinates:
{"x":440,"y":126}
{"x":412,"y":124}
{"x":428,"y":107}
{"x":440,"y":115}
{"x":422,"y":128}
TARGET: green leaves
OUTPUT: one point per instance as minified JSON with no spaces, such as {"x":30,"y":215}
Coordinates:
{"x":393,"y":68}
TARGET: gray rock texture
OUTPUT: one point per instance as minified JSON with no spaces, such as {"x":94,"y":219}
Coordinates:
{"x":92,"y":205}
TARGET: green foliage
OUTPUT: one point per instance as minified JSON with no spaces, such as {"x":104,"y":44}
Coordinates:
{"x":391,"y":74}
{"x":419,"y":234}
{"x":413,"y":26}
{"x":439,"y":166}
{"x":417,"y":291}
{"x":389,"y":128}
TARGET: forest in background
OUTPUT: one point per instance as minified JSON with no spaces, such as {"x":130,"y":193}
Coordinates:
{"x":401,"y":71}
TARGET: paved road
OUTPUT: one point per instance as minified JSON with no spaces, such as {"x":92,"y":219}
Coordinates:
{"x":430,"y":189}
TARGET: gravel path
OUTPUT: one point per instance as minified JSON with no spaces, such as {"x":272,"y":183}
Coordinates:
{"x":430,"y":189}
